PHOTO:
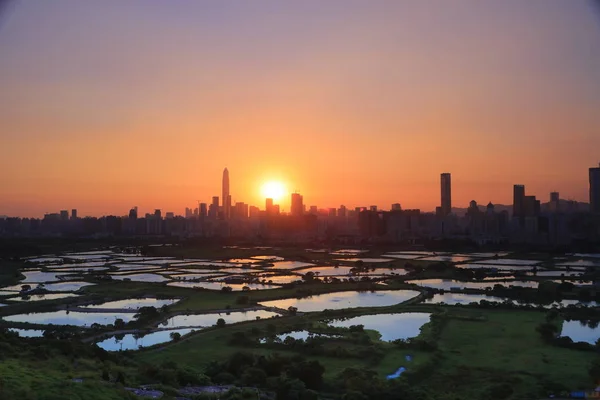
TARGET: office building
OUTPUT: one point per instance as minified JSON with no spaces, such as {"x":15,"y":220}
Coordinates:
{"x":554,"y":204}
{"x":341,"y":211}
{"x":595,"y":189}
{"x":446,"y":189}
{"x":64,"y":215}
{"x":269,"y":206}
{"x":396,"y":207}
{"x":213,"y":210}
{"x":226,"y":197}
{"x":297,"y":208}
{"x":518,"y":198}
{"x":133,"y":213}
{"x":203,"y":210}
{"x":169,"y":215}
{"x":254,"y":212}
{"x":74,"y":213}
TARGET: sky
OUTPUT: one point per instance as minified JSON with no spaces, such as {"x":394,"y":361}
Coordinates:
{"x":109,"y":104}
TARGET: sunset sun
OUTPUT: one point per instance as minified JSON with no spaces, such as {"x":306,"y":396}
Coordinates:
{"x":273,"y":190}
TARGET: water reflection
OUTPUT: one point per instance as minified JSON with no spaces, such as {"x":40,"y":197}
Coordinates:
{"x":134,"y":342}
{"x":133,"y":304}
{"x":579,"y":332}
{"x":64,"y":317}
{"x":44,"y":296}
{"x":340,"y":300}
{"x":27,"y":332}
{"x":206,"y":320}
{"x":448,"y":284}
{"x":141,"y":277}
{"x":390,"y":326}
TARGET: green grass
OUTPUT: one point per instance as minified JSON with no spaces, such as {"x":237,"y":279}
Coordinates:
{"x":52,"y":380}
{"x":508,"y":341}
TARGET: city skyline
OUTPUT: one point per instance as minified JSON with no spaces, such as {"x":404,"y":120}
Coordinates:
{"x":520,"y":206}
{"x":346,"y":102}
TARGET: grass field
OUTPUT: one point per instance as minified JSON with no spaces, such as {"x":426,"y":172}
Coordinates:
{"x":478,"y":350}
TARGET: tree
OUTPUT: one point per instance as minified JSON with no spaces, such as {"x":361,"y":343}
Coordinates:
{"x":226,"y":289}
{"x":220,"y":323}
{"x":175,"y":336}
{"x":292,"y":310}
{"x":25,"y":288}
{"x":119,"y":323}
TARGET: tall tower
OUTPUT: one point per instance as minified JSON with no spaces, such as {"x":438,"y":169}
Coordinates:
{"x":595,"y":189}
{"x":518,"y":200}
{"x":226,"y":197}
{"x":446,"y":186}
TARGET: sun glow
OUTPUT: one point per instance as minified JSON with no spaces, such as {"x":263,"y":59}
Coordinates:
{"x":273,"y":190}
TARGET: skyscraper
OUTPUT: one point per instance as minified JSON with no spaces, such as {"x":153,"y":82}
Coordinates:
{"x":226,"y":197}
{"x":297,"y":207}
{"x":518,"y":200}
{"x":446,"y":186}
{"x":595,"y":189}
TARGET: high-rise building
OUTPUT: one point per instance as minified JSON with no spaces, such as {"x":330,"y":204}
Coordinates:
{"x":595,"y":189}
{"x":254,"y":212}
{"x":74,"y":213}
{"x":446,"y":186}
{"x":188,"y":212}
{"x":554,"y":204}
{"x":518,"y":200}
{"x":269,"y":206}
{"x":240,"y":210}
{"x":396,"y":207}
{"x":170,"y":215}
{"x":203,"y":210}
{"x":226,"y":197}
{"x":297,"y":207}
{"x":64,"y":215}
{"x":157,"y":214}
{"x":341,"y":211}
{"x":133,"y":213}
{"x":213,"y":210}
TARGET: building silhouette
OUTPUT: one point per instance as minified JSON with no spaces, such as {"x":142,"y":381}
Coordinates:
{"x":595,"y":189}
{"x":297,"y":208}
{"x":226,"y":199}
{"x":446,"y":189}
{"x":518,"y":199}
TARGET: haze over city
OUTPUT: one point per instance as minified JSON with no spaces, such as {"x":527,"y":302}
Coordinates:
{"x":111,"y":104}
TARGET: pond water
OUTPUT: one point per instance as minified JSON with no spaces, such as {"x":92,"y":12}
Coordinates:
{"x":300,"y":335}
{"x":365,"y":260}
{"x":206,"y":320}
{"x":135,"y":267}
{"x":402,"y":256}
{"x":157,"y":261}
{"x":220,"y":285}
{"x":8,"y":292}
{"x":64,"y":317}
{"x":452,"y":259}
{"x":70,"y":286}
{"x":329,"y":271}
{"x":496,"y":267}
{"x":88,"y":257}
{"x":482,"y":255}
{"x":290,"y":264}
{"x":462,"y":298}
{"x":82,"y":264}
{"x":348,"y":252}
{"x":28,"y":332}
{"x":191,"y":277}
{"x":557,"y":273}
{"x":267,"y":258}
{"x":281,"y":279}
{"x":40,"y":260}
{"x":340,"y":300}
{"x":580,"y":263}
{"x":579,"y":332}
{"x":132,"y":342}
{"x":239,"y":270}
{"x":390,"y":326}
{"x":588,"y":255}
{"x":41,"y":277}
{"x":44,"y":296}
{"x":447,"y":284}
{"x":510,"y":261}
{"x":77,"y":268}
{"x":133,"y":304}
{"x":141,"y":277}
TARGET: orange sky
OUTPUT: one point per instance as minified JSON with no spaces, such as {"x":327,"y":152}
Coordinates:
{"x":108,"y":106}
